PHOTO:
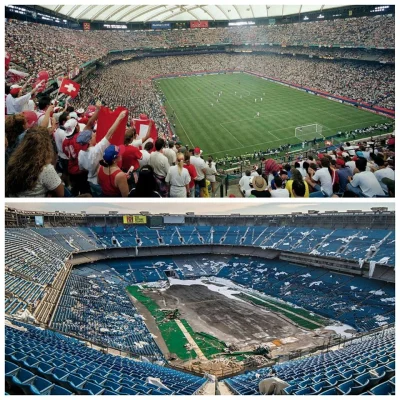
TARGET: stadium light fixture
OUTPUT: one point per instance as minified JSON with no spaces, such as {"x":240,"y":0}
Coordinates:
{"x":379,"y":8}
{"x":306,"y":18}
{"x":320,"y":16}
{"x":241,"y":23}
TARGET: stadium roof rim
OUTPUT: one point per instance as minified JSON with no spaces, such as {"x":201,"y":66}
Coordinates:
{"x":179,"y":13}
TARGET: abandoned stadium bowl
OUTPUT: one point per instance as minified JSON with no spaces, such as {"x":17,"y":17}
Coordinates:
{"x":182,"y":304}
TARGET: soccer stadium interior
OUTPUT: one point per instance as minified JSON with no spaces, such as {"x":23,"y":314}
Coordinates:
{"x":298,"y":303}
{"x":231,"y":91}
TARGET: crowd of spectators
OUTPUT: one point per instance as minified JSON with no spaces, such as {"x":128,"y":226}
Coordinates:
{"x":51,"y":149}
{"x":365,"y":169}
{"x":34,"y":46}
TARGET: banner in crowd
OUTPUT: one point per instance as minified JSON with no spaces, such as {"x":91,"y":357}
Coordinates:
{"x":141,"y":127}
{"x":165,"y":25}
{"x":106,"y":118}
{"x":86,"y":26}
{"x":134,"y":219}
{"x":199,"y":24}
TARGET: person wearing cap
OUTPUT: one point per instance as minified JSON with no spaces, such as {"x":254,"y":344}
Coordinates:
{"x":112,"y":180}
{"x":364,"y":183}
{"x":259,"y":187}
{"x":178,"y":178}
{"x":201,"y":169}
{"x":15,"y":101}
{"x":71,"y":148}
{"x":160,"y":165}
{"x":382,"y":172}
{"x":170,"y":153}
{"x":344,"y":172}
{"x":91,"y":153}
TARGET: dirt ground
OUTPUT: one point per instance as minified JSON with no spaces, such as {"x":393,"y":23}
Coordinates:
{"x":233,"y":321}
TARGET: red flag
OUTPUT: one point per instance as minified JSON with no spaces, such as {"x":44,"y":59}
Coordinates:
{"x":7,"y":60}
{"x":144,"y":121}
{"x":70,"y":88}
{"x":106,"y":118}
{"x":15,"y":76}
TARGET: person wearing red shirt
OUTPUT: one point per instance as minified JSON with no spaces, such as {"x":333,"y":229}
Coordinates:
{"x":192,"y":172}
{"x":130,"y":155}
{"x":111,"y":178}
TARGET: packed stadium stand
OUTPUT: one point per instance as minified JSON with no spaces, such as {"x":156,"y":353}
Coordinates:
{"x":341,"y":54}
{"x":66,"y":298}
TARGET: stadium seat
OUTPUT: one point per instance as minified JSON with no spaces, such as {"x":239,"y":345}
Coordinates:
{"x":384,"y":389}
{"x":36,"y":386}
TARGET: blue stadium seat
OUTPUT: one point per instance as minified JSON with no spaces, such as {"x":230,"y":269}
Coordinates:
{"x":19,"y":377}
{"x":351,"y":387}
{"x":59,"y":391}
{"x":384,"y":389}
{"x":37,"y":386}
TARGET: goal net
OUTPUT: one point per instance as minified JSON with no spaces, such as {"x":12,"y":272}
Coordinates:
{"x":308,"y":132}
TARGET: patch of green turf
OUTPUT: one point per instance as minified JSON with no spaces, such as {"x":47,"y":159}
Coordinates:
{"x":170,"y":331}
{"x":208,"y":344}
{"x":231,"y":126}
{"x":295,"y":318}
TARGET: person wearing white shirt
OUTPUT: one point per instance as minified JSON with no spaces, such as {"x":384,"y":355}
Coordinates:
{"x":323,"y":176}
{"x":201,"y":167}
{"x":244,"y":184}
{"x":169,"y":153}
{"x":364,"y":183}
{"x":15,"y":101}
{"x":178,"y":179}
{"x":89,"y":159}
{"x":145,"y":154}
{"x":383,"y":172}
{"x":279,"y":192}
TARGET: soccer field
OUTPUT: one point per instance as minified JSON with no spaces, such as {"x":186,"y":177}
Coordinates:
{"x":231,"y":126}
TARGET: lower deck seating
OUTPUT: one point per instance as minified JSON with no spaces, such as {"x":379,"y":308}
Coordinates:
{"x":39,"y":363}
{"x":366,"y":366}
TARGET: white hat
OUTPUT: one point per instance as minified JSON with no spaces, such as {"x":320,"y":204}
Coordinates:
{"x":80,"y":111}
{"x":15,"y":86}
{"x":73,"y":114}
{"x":70,"y":126}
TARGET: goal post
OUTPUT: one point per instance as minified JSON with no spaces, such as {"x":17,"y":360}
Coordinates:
{"x":308,"y":132}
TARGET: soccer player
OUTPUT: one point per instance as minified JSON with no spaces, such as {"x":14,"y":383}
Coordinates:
{"x":258,"y":114}
{"x":255,"y":100}
{"x":212,"y":104}
{"x":261,"y":98}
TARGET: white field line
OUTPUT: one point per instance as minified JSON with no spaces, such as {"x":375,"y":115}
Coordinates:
{"x":274,"y":141}
{"x":182,"y":127}
{"x":232,"y":135}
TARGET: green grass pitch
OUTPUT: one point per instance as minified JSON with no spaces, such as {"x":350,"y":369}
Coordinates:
{"x":231,"y":126}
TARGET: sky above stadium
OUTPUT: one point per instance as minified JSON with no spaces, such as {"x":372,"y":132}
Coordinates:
{"x":206,"y":207}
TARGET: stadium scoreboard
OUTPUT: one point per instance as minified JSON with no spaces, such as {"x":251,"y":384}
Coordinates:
{"x":135,"y":219}
{"x":156,"y":221}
